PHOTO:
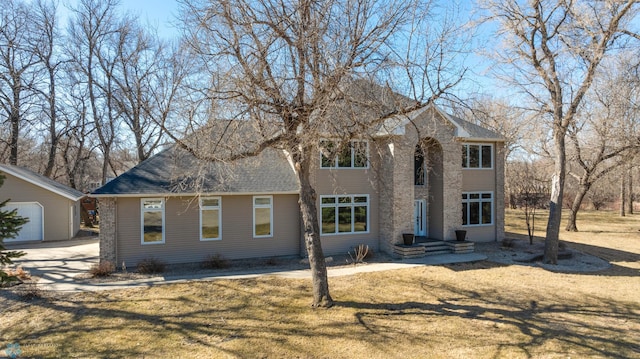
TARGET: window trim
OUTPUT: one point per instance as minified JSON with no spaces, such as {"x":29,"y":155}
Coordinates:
{"x":219,"y":208}
{"x":164,"y":222}
{"x":353,"y":156}
{"x":336,"y":205}
{"x":256,"y":206}
{"x":480,"y":200}
{"x":480,"y":144}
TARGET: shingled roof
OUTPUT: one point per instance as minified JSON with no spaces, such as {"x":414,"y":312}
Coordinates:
{"x":42,"y":181}
{"x":174,"y":171}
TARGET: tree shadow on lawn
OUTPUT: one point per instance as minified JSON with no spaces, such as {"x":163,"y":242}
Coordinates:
{"x":204,"y":325}
{"x":592,"y":325}
{"x":610,"y":255}
{"x":581,"y":328}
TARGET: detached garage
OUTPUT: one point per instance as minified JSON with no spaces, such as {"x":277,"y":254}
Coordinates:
{"x":53,"y":209}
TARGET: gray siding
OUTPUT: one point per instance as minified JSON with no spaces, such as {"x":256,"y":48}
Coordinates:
{"x":481,"y":233}
{"x":349,"y":181}
{"x":486,"y":180}
{"x":182,"y":234}
{"x":57,"y":208}
{"x":478,"y":180}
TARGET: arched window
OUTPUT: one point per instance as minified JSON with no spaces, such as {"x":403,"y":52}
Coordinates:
{"x":418,"y":167}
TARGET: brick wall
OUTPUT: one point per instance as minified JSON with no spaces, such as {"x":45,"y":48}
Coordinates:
{"x":108,"y":230}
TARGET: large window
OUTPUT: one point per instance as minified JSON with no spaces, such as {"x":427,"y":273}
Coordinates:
{"x":355,"y":154}
{"x":477,"y":156}
{"x":477,"y":208}
{"x":263,"y":216}
{"x":152,"y":218}
{"x":344,"y":214}
{"x":210,"y":218}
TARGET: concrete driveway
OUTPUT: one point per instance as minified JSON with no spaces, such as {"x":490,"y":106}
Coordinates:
{"x":57,"y":262}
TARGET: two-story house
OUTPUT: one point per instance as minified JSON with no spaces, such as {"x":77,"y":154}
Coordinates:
{"x":425,"y":172}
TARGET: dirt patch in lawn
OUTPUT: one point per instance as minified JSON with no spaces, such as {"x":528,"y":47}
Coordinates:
{"x":521,"y":252}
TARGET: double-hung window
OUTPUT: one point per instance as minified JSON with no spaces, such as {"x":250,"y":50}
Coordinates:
{"x":152,"y":218}
{"x":354,"y":154}
{"x":477,"y":208}
{"x":262,"y":216}
{"x":477,"y":156}
{"x":210,"y":218}
{"x":344,"y":214}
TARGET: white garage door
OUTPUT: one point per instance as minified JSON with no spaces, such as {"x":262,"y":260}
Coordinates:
{"x":32,"y":230}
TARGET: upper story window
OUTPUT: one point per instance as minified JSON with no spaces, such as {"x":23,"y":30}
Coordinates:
{"x":152,"y":220}
{"x":355,"y":154}
{"x":477,"y":156}
{"x":419,"y":170}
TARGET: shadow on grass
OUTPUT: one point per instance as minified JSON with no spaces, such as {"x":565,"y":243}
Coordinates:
{"x":607,"y":254}
{"x":208,"y":316}
{"x":486,"y":264}
{"x":204,"y":325}
{"x":578,"y":326}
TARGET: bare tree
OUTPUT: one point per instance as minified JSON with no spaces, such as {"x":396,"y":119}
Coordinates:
{"x":95,"y":32}
{"x":288,"y":69}
{"x":18,"y":73}
{"x":140,"y":60}
{"x":499,"y":116}
{"x":629,"y":175}
{"x":78,"y":143}
{"x":50,"y":56}
{"x":604,"y":133}
{"x":556,"y":48}
{"x":602,"y":193}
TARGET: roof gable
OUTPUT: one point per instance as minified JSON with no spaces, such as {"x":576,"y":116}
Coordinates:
{"x":41,"y":181}
{"x":395,"y":125}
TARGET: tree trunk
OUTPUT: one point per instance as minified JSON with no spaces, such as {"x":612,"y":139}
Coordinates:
{"x":53,"y":113}
{"x":86,"y":218}
{"x":13,"y":142}
{"x":106,"y":153}
{"x":629,"y":175}
{"x":308,"y":209}
{"x":623,"y":196}
{"x":14,"y":120}
{"x":575,"y":207}
{"x":555,"y":203}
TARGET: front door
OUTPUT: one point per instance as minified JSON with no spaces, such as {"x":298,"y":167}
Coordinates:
{"x":419,"y":217}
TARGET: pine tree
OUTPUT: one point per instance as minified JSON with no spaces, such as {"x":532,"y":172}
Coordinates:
{"x":10,"y":224}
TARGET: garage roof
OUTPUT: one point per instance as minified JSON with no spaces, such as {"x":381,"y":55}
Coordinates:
{"x":42,"y":181}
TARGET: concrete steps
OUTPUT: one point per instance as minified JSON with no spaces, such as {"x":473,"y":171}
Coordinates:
{"x":425,"y":247}
{"x":434,"y":247}
{"x":412,"y":251}
{"x":459,"y":247}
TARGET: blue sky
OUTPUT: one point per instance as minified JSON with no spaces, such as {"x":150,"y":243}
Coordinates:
{"x":161,"y":14}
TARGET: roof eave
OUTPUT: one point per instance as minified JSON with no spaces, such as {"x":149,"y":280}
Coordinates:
{"x":480,"y":139}
{"x":190,"y":194}
{"x":42,"y":185}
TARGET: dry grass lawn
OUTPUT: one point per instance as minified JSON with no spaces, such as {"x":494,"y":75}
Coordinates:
{"x":479,"y":310}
